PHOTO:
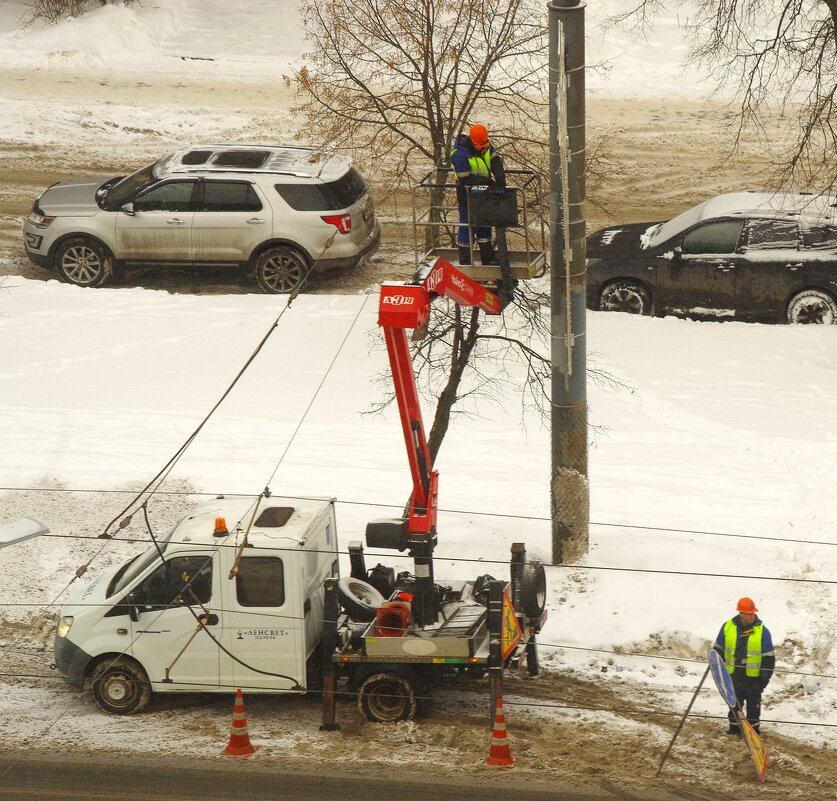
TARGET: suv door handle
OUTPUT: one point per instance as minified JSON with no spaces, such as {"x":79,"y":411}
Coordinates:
{"x":174,"y":221}
{"x":794,"y":267}
{"x":725,"y":268}
{"x":255,"y":221}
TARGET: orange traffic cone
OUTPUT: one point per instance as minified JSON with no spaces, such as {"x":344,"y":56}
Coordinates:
{"x":499,"y":754}
{"x":239,"y":744}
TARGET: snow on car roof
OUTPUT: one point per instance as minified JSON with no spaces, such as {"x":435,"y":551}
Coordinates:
{"x":805,"y":204}
{"x":302,"y":162}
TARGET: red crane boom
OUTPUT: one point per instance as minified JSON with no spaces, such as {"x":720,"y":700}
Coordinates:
{"x":403,"y":306}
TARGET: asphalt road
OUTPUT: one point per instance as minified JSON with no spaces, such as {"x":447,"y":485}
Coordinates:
{"x":46,"y":777}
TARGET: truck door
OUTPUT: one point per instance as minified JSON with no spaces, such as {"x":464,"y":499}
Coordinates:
{"x":167,"y":635}
{"x":263,"y":630}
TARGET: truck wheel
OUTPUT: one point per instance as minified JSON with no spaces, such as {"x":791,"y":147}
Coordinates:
{"x":120,"y":686}
{"x":359,"y":599}
{"x":387,"y":698}
{"x":533,"y":589}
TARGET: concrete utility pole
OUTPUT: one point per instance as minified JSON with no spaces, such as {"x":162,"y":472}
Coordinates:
{"x":570,"y":489}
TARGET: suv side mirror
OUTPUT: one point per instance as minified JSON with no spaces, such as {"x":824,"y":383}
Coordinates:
{"x":128,"y":208}
{"x":677,"y":254}
{"x":133,"y":612}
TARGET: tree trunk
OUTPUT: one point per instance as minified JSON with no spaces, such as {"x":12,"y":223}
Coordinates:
{"x":464,"y":341}
{"x":832,"y":9}
{"x":436,"y":195}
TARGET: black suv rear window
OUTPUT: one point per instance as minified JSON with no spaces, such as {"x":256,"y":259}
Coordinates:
{"x":339,"y":194}
{"x":770,"y":234}
{"x":820,"y":237}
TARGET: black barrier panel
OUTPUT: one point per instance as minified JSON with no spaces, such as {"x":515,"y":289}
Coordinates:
{"x":496,"y":210}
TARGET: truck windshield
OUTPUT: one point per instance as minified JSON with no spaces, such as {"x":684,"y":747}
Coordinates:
{"x":123,"y":191}
{"x":137,"y":565}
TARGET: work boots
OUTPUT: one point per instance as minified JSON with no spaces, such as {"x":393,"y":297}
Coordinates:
{"x":464,"y":254}
{"x":487,"y":255}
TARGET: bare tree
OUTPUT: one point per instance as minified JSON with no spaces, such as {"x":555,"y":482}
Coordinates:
{"x":395,"y":82}
{"x":777,"y":53}
{"x":54,"y":10}
{"x":465,"y":354}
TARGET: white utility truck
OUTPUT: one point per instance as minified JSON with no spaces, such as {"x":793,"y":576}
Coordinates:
{"x":259,"y":603}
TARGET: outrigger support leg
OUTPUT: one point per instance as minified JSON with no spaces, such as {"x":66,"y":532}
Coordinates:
{"x":329,"y":643}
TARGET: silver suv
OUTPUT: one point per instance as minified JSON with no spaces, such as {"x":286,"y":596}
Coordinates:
{"x":276,"y":211}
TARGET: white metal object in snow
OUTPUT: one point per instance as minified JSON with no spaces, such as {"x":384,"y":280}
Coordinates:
{"x":20,"y":530}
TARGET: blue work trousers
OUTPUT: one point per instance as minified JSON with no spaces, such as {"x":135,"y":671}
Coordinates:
{"x":480,"y":234}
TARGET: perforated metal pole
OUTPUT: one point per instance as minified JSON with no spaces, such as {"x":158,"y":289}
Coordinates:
{"x":569,"y":485}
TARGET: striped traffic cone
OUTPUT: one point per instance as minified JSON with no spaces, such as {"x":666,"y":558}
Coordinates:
{"x":239,"y":744}
{"x":499,"y":754}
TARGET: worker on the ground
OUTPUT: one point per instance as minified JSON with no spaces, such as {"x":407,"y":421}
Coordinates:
{"x":747,"y":648}
{"x":476,"y":164}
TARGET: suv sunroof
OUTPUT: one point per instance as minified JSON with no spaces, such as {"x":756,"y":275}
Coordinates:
{"x":196,"y":157}
{"x":247,"y":159}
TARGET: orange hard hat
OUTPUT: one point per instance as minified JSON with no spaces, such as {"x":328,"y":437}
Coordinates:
{"x":747,"y":606}
{"x":479,"y":135}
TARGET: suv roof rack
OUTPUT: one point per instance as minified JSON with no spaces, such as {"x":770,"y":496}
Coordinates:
{"x":300,"y":162}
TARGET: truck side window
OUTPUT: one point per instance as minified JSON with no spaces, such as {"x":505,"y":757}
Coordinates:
{"x":174,"y":583}
{"x":260,"y":581}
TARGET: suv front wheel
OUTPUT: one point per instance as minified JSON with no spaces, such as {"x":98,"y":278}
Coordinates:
{"x":625,"y":296}
{"x":280,"y":270}
{"x":83,"y":262}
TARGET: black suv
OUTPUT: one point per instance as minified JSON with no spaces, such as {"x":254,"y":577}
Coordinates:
{"x":744,"y":255}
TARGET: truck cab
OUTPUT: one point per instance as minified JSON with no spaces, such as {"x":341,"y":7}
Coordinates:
{"x":231,"y":596}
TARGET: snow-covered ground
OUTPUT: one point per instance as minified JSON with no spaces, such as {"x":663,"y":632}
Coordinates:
{"x":712,"y":455}
{"x":264,"y":39}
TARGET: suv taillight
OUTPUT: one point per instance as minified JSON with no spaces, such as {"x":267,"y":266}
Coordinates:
{"x":342,"y":222}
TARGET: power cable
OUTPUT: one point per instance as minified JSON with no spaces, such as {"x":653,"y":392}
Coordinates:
{"x":452,"y":696}
{"x":446,"y":510}
{"x":160,"y":477}
{"x":488,"y":562}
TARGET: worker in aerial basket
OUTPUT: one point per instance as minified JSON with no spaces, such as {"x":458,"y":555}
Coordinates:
{"x":477,"y":166}
{"x":747,"y":647}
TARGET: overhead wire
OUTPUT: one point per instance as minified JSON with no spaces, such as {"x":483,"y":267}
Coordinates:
{"x":152,"y":487}
{"x":446,"y":510}
{"x":161,"y":475}
{"x":555,"y":565}
{"x":509,"y":699}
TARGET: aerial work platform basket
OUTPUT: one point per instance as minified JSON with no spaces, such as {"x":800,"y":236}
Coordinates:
{"x":518,"y":217}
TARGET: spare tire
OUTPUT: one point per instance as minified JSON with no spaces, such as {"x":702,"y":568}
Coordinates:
{"x":533,"y":589}
{"x":359,"y":599}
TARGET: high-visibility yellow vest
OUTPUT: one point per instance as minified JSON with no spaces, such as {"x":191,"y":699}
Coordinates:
{"x":753,"y":664}
{"x":479,"y":164}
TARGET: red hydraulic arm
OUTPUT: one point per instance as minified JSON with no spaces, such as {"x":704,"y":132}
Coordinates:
{"x":403,"y":306}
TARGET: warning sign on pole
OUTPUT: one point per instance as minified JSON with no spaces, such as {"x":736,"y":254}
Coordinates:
{"x":511,"y":628}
